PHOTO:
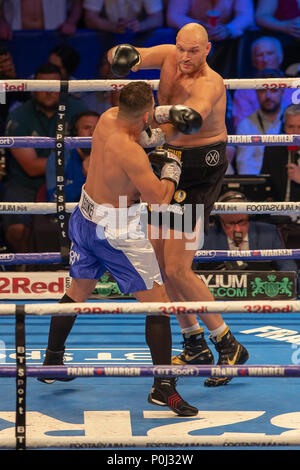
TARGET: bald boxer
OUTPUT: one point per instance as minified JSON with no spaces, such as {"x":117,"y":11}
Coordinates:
{"x":106,"y":234}
{"x":186,"y":79}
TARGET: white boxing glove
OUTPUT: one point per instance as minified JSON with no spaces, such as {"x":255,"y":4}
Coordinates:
{"x":151,"y":138}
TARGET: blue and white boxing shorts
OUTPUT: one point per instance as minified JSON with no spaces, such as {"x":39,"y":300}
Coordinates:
{"x":110,"y":239}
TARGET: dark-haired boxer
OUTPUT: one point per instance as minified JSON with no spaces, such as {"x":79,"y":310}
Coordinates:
{"x":186,"y":79}
{"x":106,"y":233}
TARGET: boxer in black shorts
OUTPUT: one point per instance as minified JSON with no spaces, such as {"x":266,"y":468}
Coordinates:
{"x":200,"y":182}
{"x":187,"y":80}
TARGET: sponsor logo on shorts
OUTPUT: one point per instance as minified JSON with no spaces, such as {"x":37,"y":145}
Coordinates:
{"x":212,"y":158}
{"x":87,"y":207}
{"x":74,"y":257}
{"x":180,"y":195}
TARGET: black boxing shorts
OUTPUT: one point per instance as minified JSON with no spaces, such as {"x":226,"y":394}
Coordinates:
{"x":203,"y":170}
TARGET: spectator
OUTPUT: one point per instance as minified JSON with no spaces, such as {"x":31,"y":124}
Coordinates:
{"x":266,"y":120}
{"x":8,"y":100}
{"x":100,"y":101}
{"x":266,"y":53}
{"x":283,"y":166}
{"x":27,"y":166}
{"x":238,"y":232}
{"x":76,"y":161}
{"x":225,"y":24}
{"x":283,"y":163}
{"x":282,"y":19}
{"x":28,"y":15}
{"x":66,"y":58}
{"x":117,"y":16}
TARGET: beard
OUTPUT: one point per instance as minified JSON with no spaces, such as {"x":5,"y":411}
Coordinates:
{"x":270,"y":109}
{"x":52,"y":108}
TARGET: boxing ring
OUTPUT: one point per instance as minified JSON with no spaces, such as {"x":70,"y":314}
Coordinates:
{"x":114,"y":428}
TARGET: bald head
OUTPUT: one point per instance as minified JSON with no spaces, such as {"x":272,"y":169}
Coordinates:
{"x":192,"y":48}
{"x":193,"y":32}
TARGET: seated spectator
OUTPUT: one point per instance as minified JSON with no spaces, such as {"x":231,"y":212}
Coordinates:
{"x":283,"y":163}
{"x":117,"y":16}
{"x":66,"y":58}
{"x":11,"y":99}
{"x":266,"y":120}
{"x":225,"y":24}
{"x":266,"y":53}
{"x":100,"y":101}
{"x":76,"y":160}
{"x":39,"y":15}
{"x":283,"y":166}
{"x":238,"y":232}
{"x":27,"y":166}
{"x":282,"y":19}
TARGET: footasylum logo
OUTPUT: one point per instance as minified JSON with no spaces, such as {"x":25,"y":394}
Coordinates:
{"x":249,"y":284}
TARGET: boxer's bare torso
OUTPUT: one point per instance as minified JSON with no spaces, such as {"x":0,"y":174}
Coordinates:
{"x":200,"y":90}
{"x":178,"y":88}
{"x":119,"y":171}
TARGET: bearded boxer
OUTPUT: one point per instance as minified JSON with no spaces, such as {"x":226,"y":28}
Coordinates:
{"x":186,"y":79}
{"x":106,"y":235}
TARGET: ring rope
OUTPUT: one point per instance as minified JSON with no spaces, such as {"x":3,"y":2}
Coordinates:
{"x":155,"y":308}
{"x":273,"y":208}
{"x":112,"y":85}
{"x":62,"y":372}
{"x":224,"y":440}
{"x":85,"y":142}
{"x":200,"y":256}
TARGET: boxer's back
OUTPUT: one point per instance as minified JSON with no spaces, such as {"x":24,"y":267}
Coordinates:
{"x":106,"y":179}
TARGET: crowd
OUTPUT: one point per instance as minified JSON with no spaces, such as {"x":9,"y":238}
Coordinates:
{"x":250,"y":38}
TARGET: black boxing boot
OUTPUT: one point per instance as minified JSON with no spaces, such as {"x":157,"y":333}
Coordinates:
{"x":164,"y":393}
{"x":54,"y":358}
{"x":195,"y":350}
{"x":231,"y":353}
{"x":60,"y":327}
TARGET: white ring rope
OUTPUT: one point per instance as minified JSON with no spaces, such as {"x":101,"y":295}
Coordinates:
{"x":225,"y":440}
{"x":273,"y":208}
{"x":76,"y":86}
{"x":156,"y":308}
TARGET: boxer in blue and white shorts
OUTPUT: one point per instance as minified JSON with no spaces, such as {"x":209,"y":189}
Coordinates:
{"x":100,"y":244}
{"x":106,"y":235}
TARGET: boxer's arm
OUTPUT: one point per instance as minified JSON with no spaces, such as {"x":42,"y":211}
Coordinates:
{"x":150,"y":57}
{"x":138,"y":169}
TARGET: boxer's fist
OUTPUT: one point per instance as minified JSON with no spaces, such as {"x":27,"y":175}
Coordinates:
{"x":124,"y":58}
{"x":152,"y":137}
{"x":185,"y":119}
{"x":167,"y":163}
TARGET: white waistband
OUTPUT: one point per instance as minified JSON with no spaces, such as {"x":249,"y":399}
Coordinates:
{"x":112,"y":218}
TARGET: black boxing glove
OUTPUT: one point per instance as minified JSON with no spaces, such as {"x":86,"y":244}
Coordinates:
{"x":183,"y":118}
{"x":167,"y":164}
{"x":124,"y":58}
